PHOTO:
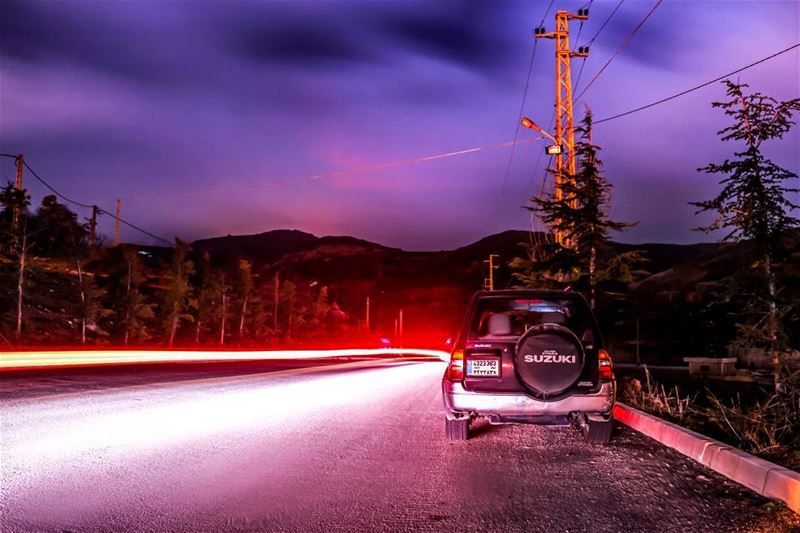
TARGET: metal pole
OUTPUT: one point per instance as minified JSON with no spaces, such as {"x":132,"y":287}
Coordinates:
{"x":565,"y":131}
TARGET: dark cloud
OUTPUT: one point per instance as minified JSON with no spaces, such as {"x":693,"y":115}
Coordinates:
{"x":660,"y":42}
{"x":463,"y":33}
{"x":51,"y":32}
{"x":301,"y":45}
{"x":153,"y":99}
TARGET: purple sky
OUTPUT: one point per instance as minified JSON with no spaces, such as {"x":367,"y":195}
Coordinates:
{"x":207,"y":118}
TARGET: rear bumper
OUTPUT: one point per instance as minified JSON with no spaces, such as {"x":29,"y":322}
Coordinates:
{"x":458,"y":401}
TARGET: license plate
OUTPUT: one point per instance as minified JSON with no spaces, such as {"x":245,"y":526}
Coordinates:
{"x":483,"y":367}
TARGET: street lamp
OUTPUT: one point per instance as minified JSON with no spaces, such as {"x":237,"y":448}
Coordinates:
{"x":553,"y":149}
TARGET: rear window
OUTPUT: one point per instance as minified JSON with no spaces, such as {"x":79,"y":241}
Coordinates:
{"x":504,"y":317}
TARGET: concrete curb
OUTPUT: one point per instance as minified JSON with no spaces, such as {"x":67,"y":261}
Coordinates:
{"x":763,"y":477}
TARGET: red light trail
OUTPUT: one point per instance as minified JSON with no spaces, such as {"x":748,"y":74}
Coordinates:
{"x":69,"y":358}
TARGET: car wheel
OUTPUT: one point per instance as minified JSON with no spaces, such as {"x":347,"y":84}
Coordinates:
{"x":457,"y":429}
{"x":598,"y":431}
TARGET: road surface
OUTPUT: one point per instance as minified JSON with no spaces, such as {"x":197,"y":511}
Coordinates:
{"x":355,"y":447}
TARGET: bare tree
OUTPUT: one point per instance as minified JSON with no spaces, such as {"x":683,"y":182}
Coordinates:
{"x":178,"y":298}
{"x":245,"y":288}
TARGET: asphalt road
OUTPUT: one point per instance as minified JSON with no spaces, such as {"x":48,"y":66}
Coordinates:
{"x":357,"y":447}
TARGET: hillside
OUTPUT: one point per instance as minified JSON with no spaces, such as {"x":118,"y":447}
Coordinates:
{"x":431,"y":288}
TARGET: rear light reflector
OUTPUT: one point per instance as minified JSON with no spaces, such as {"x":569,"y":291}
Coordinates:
{"x":455,"y":370}
{"x":604,"y":365}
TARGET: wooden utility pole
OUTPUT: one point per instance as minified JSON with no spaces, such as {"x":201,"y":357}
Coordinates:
{"x":93,"y":228}
{"x":222,"y":323}
{"x":18,"y":185}
{"x":366,"y":316}
{"x":565,"y":123}
{"x":400,"y":327}
{"x":277,"y":300}
{"x":488,"y":283}
{"x":116,"y":222}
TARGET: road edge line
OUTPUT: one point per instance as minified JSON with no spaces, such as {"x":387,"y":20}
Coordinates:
{"x":759,"y":475}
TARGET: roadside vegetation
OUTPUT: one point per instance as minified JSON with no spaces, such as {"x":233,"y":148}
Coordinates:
{"x":757,"y":308}
{"x":60,"y":286}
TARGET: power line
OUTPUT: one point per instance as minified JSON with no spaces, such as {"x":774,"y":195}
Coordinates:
{"x":522,"y":105}
{"x":687,"y":91}
{"x":43,"y":182}
{"x":619,"y":48}
{"x":446,"y":154}
{"x":602,"y":27}
{"x":133,"y":226}
{"x":586,"y":6}
{"x":521,"y":111}
{"x":81,"y":204}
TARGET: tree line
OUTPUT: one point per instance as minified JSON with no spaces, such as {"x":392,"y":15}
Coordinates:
{"x":53,"y":270}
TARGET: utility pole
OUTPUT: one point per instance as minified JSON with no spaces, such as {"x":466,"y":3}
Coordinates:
{"x":277,"y":299}
{"x":366,"y":318}
{"x":116,"y":222}
{"x":18,"y":185}
{"x":565,"y":123}
{"x":488,"y":283}
{"x":222,"y":322}
{"x":400,"y":327}
{"x":93,"y":228}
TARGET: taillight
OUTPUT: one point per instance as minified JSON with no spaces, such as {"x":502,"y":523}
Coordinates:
{"x":455,"y":370}
{"x":604,"y":365}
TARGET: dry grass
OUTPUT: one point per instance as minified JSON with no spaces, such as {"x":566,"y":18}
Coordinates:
{"x":769,"y":428}
{"x":657,"y":399}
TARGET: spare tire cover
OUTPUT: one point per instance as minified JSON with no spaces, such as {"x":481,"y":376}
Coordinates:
{"x":548,"y":359}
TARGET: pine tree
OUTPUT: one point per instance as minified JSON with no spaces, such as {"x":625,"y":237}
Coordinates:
{"x":754,"y":201}
{"x":222,"y":305}
{"x":61,"y":233}
{"x":288,"y":298}
{"x":581,"y":215}
{"x":178,"y":300}
{"x":209,"y":296}
{"x":11,"y":200}
{"x":320,"y":311}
